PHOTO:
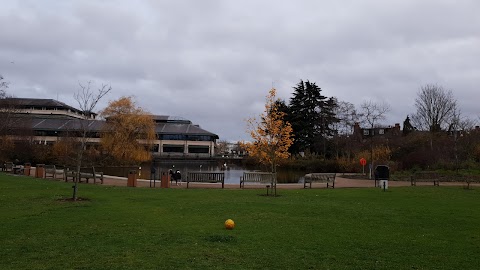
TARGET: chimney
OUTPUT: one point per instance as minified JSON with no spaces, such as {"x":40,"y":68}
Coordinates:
{"x":396,"y":129}
{"x":356,"y":128}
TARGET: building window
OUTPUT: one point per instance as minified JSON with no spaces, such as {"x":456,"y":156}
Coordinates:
{"x":197,"y":149}
{"x":381,"y":131}
{"x":174,"y":137}
{"x":366,"y":132}
{"x":199,"y":138}
{"x":173,"y":148}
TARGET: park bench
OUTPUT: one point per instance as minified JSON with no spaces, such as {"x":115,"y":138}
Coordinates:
{"x":8,"y":167}
{"x":18,"y":169}
{"x":85,"y":173}
{"x":257,"y":177}
{"x":319,"y":177}
{"x":12,"y":168}
{"x":425,"y":176}
{"x":51,"y":171}
{"x":206,"y":177}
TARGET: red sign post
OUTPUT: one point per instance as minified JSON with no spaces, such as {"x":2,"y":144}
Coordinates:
{"x":363,"y":162}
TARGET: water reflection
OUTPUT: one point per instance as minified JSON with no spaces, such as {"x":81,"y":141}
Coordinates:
{"x":232,"y":172}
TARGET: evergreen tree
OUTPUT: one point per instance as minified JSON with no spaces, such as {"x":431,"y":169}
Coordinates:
{"x":306,"y":107}
{"x":282,"y":107}
{"x":327,"y":119}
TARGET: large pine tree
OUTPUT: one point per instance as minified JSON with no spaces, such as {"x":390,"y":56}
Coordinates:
{"x":327,"y":119}
{"x":311,"y":115}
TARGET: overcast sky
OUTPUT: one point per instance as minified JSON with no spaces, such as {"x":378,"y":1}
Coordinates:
{"x":213,"y":62}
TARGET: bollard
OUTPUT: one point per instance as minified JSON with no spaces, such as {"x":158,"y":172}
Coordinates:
{"x":153,"y":173}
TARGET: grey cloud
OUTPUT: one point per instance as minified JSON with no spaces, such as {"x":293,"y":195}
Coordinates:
{"x":214,"y":61}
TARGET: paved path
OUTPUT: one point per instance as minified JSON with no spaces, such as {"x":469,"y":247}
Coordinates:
{"x":340,"y":182}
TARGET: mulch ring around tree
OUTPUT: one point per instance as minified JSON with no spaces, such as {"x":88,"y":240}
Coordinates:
{"x":79,"y":199}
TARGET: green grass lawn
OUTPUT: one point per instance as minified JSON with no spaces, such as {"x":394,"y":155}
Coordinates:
{"x":141,"y":228}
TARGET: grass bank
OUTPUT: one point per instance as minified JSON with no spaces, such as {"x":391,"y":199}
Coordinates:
{"x":140,"y":228}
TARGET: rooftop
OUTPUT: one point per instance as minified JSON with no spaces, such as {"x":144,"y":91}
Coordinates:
{"x":57,"y":122}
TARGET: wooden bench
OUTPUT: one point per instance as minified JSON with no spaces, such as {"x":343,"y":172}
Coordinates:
{"x":84,"y":174}
{"x":206,"y":177}
{"x":8,"y":167}
{"x":18,"y":169}
{"x":425,"y":176}
{"x":319,"y":177}
{"x":53,"y":171}
{"x":50,"y":171}
{"x":12,"y":168}
{"x":257,"y":177}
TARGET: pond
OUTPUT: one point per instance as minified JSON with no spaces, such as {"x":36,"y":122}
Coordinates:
{"x":232,"y":172}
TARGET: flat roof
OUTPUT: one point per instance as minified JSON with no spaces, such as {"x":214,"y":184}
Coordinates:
{"x":61,"y":124}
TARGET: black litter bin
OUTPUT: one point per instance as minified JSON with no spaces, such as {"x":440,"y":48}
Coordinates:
{"x":382,"y":175}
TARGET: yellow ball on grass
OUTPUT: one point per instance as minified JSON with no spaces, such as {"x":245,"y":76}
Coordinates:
{"x":229,"y":224}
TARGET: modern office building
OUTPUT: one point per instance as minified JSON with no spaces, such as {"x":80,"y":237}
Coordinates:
{"x":48,"y":120}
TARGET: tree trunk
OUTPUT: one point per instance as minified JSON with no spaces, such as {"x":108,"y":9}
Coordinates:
{"x":79,"y":165}
{"x":75,"y":189}
{"x":371,"y":156}
{"x":77,"y":179}
{"x":431,"y":141}
{"x":274,"y":177}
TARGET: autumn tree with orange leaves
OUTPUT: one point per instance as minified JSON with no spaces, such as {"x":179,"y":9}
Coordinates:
{"x":129,"y":132}
{"x":271,"y":135}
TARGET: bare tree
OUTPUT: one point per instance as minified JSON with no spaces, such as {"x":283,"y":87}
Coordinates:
{"x":3,"y":87}
{"x":459,"y":126}
{"x":435,"y":108}
{"x":372,"y":112}
{"x":5,"y":143}
{"x":5,"y":107}
{"x":87,"y":101}
{"x":9,"y":120}
{"x":221,"y":148}
{"x":454,"y":128}
{"x":466,"y":124}
{"x":347,"y":116}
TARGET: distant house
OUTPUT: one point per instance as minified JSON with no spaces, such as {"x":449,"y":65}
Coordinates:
{"x":49,"y":119}
{"x":378,"y":131}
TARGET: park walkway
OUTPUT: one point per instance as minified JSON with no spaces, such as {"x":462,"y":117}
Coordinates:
{"x":340,"y":182}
